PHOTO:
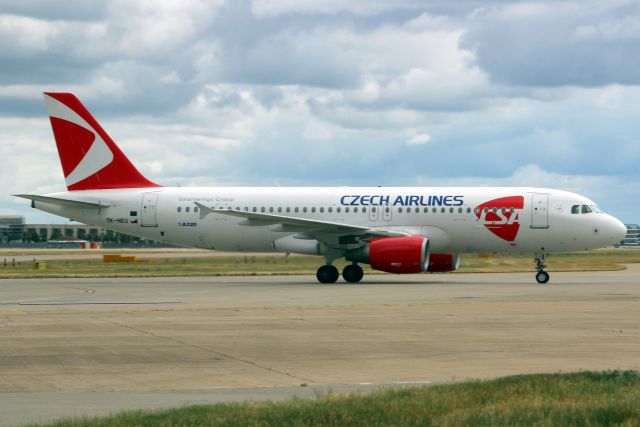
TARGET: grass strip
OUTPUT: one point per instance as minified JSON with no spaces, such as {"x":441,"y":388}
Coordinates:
{"x":611,"y":259}
{"x":610,"y":398}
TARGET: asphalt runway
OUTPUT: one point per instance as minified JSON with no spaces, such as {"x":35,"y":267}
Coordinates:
{"x":94,"y":346}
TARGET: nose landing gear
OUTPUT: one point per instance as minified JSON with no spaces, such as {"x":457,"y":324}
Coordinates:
{"x":541,"y":276}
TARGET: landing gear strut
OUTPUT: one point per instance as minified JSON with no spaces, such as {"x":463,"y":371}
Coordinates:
{"x":541,"y":276}
{"x":327,"y":274}
{"x":352,"y":273}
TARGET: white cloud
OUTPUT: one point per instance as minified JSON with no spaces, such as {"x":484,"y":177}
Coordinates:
{"x":419,"y":139}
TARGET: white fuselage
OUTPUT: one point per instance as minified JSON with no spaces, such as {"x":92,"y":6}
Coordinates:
{"x":453,"y":219}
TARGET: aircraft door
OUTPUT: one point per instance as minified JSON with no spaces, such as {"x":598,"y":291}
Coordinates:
{"x":149,"y":205}
{"x":540,"y":210}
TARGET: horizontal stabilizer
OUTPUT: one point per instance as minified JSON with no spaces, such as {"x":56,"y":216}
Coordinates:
{"x":64,"y":202}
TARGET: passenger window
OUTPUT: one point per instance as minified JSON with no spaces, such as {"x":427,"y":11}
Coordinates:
{"x":321,"y":210}
{"x":400,"y":210}
{"x":271,"y":209}
{"x":195,"y":209}
{"x":346,"y":210}
{"x":355,"y":210}
{"x":338,"y":209}
{"x":330,"y":209}
{"x":459,"y":210}
{"x":296,"y":209}
{"x":313,"y":210}
{"x":288,"y":209}
{"x":279,"y":209}
{"x":443,"y":210}
{"x":187,"y":209}
{"x":426,"y":210}
{"x":254,"y":209}
{"x":450,"y":210}
{"x":364,"y":209}
{"x":434,"y":210}
{"x":262,"y":209}
{"x":373,"y":209}
{"x":179,"y":209}
{"x":304,"y":209}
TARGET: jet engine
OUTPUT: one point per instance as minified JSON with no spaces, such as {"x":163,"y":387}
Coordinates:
{"x":401,"y":255}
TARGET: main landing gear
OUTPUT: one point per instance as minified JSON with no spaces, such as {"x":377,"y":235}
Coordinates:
{"x":327,"y":274}
{"x":352,"y":273}
{"x":541,"y":276}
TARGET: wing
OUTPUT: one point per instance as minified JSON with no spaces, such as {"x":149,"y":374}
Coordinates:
{"x":326,"y":231}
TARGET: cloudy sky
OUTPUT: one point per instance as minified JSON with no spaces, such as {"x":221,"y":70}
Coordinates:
{"x":322,"y":92}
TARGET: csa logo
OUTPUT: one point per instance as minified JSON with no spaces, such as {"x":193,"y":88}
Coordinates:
{"x":501,"y":216}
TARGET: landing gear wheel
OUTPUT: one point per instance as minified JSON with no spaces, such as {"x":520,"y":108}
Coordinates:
{"x":327,"y":274}
{"x":352,"y":273}
{"x":542,"y":277}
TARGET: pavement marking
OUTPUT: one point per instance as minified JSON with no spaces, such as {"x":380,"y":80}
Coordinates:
{"x":422,"y":382}
{"x":100,"y":303}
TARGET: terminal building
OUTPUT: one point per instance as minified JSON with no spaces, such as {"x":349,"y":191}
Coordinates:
{"x":11,"y":227}
{"x":14,"y":229}
{"x":633,"y":236}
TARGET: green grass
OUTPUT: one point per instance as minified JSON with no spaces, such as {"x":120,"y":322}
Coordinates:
{"x":607,"y":259}
{"x":609,"y":398}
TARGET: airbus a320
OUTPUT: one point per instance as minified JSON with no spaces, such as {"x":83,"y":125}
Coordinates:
{"x":397,"y":230}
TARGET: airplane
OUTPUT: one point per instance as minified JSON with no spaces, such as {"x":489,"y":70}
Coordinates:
{"x":399,"y":230}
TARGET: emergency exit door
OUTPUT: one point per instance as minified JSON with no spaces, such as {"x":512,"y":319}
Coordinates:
{"x":540,"y":210}
{"x":148,"y":209}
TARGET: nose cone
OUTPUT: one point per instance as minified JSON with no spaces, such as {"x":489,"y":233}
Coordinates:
{"x":616,"y":229}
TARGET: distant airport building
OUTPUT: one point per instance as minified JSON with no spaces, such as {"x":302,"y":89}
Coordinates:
{"x":11,"y":227}
{"x":633,"y":236}
{"x":14,"y":229}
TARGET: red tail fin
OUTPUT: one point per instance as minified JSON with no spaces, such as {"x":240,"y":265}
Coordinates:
{"x":90,"y":159}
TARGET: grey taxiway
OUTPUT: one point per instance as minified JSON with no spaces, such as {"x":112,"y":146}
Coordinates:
{"x":93,"y":346}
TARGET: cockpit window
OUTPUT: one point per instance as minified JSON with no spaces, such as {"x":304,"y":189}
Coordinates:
{"x":575,"y":209}
{"x":595,"y":209}
{"x":586,"y":209}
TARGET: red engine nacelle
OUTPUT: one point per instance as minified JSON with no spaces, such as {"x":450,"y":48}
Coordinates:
{"x":441,"y":263}
{"x":407,"y":254}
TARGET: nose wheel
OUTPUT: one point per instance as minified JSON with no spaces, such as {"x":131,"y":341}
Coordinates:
{"x":542,"y":276}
